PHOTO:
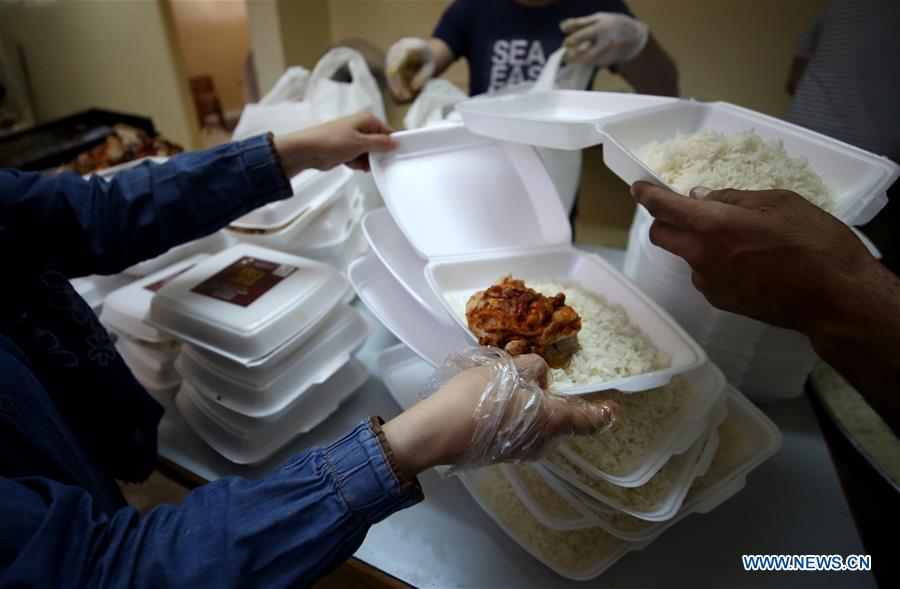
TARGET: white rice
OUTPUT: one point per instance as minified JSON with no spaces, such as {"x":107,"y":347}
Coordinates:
{"x":743,"y":161}
{"x":543,"y":494}
{"x":647,"y":497}
{"x":647,"y":413}
{"x":575,"y":551}
{"x":611,"y":346}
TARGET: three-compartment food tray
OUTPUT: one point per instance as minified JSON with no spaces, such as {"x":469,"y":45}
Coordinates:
{"x":475,"y":210}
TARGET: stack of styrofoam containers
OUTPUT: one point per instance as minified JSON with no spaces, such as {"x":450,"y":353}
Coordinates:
{"x":148,"y":351}
{"x":765,"y":362}
{"x":553,"y":517}
{"x":320,"y":221}
{"x":268,"y":345}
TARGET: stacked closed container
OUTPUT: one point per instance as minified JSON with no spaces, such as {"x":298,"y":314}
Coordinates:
{"x":268,"y":347}
{"x":148,"y":351}
{"x":320,"y":221}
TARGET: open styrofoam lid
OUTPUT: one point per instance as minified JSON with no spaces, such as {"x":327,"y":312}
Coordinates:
{"x":561,"y":119}
{"x":400,"y":313}
{"x":126,"y":308}
{"x":244,"y":287}
{"x":394,"y":251}
{"x":306,"y":186}
{"x":454,"y":193}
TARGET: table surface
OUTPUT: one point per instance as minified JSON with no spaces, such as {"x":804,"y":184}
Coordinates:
{"x":792,"y":504}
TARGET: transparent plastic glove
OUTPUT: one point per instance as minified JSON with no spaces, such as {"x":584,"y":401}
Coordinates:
{"x":409,"y":64}
{"x":512,"y":418}
{"x":603,"y":38}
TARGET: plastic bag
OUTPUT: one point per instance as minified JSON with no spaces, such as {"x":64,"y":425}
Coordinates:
{"x":333,"y":99}
{"x":291,"y":86}
{"x":313,"y":98}
{"x":515,"y":419}
{"x":434,"y":103}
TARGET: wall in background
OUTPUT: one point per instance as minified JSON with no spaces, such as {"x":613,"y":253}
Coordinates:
{"x":264,"y":21}
{"x":114,"y":55}
{"x":726,"y":50}
{"x":214,"y":39}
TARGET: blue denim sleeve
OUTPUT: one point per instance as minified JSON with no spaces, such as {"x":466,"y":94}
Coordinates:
{"x":98,"y":227}
{"x":286,"y":530}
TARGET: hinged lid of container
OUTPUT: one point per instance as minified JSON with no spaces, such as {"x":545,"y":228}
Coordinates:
{"x":311,"y":189}
{"x":562,"y":119}
{"x":454,"y":193}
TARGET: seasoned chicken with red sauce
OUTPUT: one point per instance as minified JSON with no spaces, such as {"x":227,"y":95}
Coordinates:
{"x":520,"y":320}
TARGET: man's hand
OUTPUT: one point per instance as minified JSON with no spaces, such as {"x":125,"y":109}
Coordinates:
{"x":603,"y":38}
{"x":773,"y":256}
{"x":496,"y":410}
{"x":342,"y":141}
{"x":767,"y":254}
{"x":410,"y":62}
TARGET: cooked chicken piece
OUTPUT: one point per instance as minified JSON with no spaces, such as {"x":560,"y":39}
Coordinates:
{"x":512,"y":316}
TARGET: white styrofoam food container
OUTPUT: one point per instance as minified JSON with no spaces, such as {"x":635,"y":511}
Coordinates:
{"x":312,"y":191}
{"x":759,"y":439}
{"x":626,"y":123}
{"x":704,"y":407}
{"x":211,"y":244}
{"x":153,"y":368}
{"x":108,"y":173}
{"x":248,"y":440}
{"x":479,"y":482}
{"x":479,"y":210}
{"x":403,"y":373}
{"x":332,"y":228}
{"x":342,"y":254}
{"x":95,"y":288}
{"x":266,"y":389}
{"x":247,"y":301}
{"x":401,"y":314}
{"x":683,"y":469}
{"x":398,"y":256}
{"x":536,"y":507}
{"x":862,"y":178}
{"x":561,"y":119}
{"x":125,"y":310}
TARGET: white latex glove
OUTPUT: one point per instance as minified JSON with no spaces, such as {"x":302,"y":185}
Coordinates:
{"x":409,"y":64}
{"x":603,"y":38}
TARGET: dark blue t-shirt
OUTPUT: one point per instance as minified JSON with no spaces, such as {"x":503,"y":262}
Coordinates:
{"x":506,"y":43}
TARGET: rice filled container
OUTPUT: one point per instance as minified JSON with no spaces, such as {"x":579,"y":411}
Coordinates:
{"x":480,"y":210}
